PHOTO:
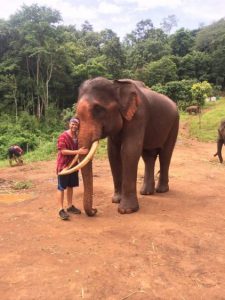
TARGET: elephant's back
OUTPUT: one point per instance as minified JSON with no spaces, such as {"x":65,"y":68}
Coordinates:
{"x":158,"y":99}
{"x":162,"y":116}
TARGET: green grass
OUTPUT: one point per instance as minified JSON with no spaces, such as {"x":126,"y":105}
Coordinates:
{"x":4,"y":163}
{"x":22,"y":185}
{"x":101,"y":152}
{"x":46,"y":151}
{"x":204,"y":126}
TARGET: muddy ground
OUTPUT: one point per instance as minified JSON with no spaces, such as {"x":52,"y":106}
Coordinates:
{"x":172,"y":248}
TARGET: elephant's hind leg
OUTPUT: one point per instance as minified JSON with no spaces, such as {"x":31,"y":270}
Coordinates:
{"x":148,"y":187}
{"x":165,"y":155}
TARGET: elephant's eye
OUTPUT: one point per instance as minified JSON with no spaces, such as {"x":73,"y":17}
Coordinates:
{"x":98,"y":111}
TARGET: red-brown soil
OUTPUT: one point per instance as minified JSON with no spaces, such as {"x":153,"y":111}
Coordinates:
{"x":172,"y":248}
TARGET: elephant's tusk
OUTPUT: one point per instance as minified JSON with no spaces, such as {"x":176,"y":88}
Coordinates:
{"x":89,"y":156}
{"x":72,"y":162}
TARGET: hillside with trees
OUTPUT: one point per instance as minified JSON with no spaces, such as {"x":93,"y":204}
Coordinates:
{"x":42,"y":64}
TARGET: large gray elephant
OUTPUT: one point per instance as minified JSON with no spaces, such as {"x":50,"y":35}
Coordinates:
{"x":138,"y":123}
{"x":220,"y":140}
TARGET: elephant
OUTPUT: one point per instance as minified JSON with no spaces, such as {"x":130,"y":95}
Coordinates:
{"x":220,"y":140}
{"x":193,"y":109}
{"x":138,"y":122}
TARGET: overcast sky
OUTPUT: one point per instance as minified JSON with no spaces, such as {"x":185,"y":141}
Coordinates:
{"x":122,"y":15}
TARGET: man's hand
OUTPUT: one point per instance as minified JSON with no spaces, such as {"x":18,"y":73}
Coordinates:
{"x":82,"y":151}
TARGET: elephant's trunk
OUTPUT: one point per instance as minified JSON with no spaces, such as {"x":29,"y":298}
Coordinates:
{"x":88,"y":136}
{"x":87,"y":176}
{"x":85,"y":139}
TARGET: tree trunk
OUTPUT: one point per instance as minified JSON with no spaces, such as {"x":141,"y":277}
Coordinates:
{"x":49,"y":75}
{"x":37,"y":83}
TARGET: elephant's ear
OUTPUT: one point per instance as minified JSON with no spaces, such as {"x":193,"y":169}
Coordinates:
{"x":128,"y":98}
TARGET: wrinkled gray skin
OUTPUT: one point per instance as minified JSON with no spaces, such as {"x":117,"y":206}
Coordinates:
{"x":193,"y":109}
{"x":138,"y":123}
{"x":220,"y":141}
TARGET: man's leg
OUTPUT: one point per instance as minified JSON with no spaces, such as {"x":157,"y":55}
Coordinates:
{"x":60,"y":198}
{"x":69,"y":191}
{"x":71,"y":208}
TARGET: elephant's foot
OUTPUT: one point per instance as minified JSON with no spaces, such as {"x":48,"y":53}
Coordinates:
{"x":162,"y":188}
{"x":92,"y":212}
{"x":116,"y":198}
{"x":127,"y":210}
{"x":128,"y":207}
{"x":147,"y":189}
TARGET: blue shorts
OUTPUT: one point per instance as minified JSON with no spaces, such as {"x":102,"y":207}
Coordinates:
{"x":65,"y":181}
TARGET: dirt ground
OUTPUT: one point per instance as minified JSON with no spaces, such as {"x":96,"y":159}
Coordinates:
{"x":172,"y":248}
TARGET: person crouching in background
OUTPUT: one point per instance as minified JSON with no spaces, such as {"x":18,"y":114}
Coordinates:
{"x":15,"y":153}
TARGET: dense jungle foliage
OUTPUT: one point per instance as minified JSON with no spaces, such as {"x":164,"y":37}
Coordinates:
{"x":42,"y":64}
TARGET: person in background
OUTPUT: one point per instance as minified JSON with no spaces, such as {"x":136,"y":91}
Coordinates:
{"x":67,"y":146}
{"x":15,"y":153}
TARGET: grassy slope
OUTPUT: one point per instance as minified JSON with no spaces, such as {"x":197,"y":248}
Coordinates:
{"x":204,"y":126}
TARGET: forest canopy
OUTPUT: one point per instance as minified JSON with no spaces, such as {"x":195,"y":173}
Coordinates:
{"x":42,"y":63}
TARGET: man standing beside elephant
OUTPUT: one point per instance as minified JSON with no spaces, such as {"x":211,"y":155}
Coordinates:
{"x":138,"y":123}
{"x":67,"y":148}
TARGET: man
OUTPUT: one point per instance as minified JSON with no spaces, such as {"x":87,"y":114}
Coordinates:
{"x":14,"y":153}
{"x":67,"y":148}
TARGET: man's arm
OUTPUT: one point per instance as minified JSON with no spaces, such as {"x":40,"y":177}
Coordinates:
{"x":74,"y":152}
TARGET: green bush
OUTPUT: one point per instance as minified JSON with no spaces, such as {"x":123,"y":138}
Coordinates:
{"x":28,"y":132}
{"x":46,"y":151}
{"x":178,"y":91}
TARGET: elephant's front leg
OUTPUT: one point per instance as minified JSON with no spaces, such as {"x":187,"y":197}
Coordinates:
{"x":114,"y":146}
{"x":129,"y":201}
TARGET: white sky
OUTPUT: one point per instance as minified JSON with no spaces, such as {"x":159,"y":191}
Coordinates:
{"x":122,"y":15}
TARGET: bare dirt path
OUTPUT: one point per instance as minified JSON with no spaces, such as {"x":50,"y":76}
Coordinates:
{"x":173,"y":248}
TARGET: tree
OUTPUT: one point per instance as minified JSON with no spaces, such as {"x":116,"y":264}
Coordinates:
{"x":5,"y":36}
{"x":181,"y":42}
{"x":37,"y":48}
{"x":142,"y":29}
{"x":161,"y":71}
{"x":112,"y":51}
{"x":8,"y":92}
{"x":195,"y":65}
{"x":200,"y":91}
{"x":211,"y":40}
{"x":151,"y":48}
{"x":168,"y":23}
{"x":86,"y":27}
{"x":211,"y":37}
{"x":218,"y":67}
